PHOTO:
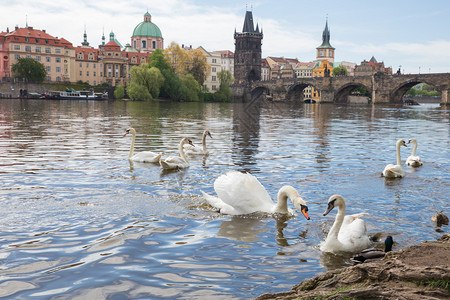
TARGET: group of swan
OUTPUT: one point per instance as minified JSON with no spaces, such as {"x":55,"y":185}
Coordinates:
{"x":396,"y":171}
{"x":241,"y":193}
{"x":171,"y":162}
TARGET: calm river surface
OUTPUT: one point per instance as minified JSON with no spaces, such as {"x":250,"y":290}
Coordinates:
{"x":79,"y":221}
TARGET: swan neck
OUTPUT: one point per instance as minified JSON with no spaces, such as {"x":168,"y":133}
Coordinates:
{"x":399,"y":162}
{"x":283,"y":194}
{"x":337,"y":222}
{"x":181,"y":150}
{"x":414,"y":149}
{"x":133,"y":138}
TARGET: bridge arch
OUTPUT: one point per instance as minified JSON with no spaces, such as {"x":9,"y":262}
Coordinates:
{"x":261,"y":92}
{"x":296,"y":92}
{"x":400,"y":90}
{"x":342,"y":93}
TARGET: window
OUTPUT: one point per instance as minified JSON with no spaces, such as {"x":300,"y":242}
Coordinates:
{"x":58,"y":50}
{"x":16,"y":47}
{"x":95,"y":82}
{"x":38,"y":49}
{"x":95,"y":66}
{"x":213,"y":78}
{"x":28,"y":56}
{"x":49,"y":78}
{"x":48,"y":68}
{"x":58,"y":69}
{"x":58,"y":78}
{"x":81,"y":73}
{"x":38,"y":58}
{"x":28,"y":48}
{"x":213,"y":88}
{"x":144,"y":44}
{"x":48,"y":50}
{"x":95,"y":73}
{"x":58,"y":59}
{"x":87,"y":73}
{"x":47,"y":59}
{"x":154,"y":44}
{"x":87,"y":65}
{"x":81,"y":64}
{"x":213,"y":69}
{"x":17,"y":56}
{"x":214,"y":60}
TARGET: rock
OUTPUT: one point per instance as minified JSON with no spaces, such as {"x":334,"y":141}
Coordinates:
{"x":416,"y":272}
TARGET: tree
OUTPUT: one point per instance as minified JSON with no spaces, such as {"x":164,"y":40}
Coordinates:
{"x":30,"y":69}
{"x":158,"y":60}
{"x":145,"y":83}
{"x":119,"y":92}
{"x":172,"y":85}
{"x":177,"y":58}
{"x":340,"y":71}
{"x":198,"y":65}
{"x":190,"y":88}
{"x":226,"y":79}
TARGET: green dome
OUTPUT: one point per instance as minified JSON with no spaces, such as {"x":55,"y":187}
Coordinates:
{"x":147,"y":28}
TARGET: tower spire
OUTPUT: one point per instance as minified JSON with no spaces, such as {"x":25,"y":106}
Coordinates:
{"x":85,"y":42}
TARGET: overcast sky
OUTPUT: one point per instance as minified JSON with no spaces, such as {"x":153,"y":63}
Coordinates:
{"x":411,"y":33}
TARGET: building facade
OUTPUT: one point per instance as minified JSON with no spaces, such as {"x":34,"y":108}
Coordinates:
{"x":367,"y":68}
{"x":247,"y":54}
{"x":56,"y":54}
{"x":147,"y":36}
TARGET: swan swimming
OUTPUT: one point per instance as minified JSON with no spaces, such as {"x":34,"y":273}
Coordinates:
{"x":348,"y":233}
{"x":395,"y":171}
{"x":241,"y":194}
{"x":177,"y":162}
{"x":190,"y":149}
{"x":413,"y":160}
{"x":144,"y":156}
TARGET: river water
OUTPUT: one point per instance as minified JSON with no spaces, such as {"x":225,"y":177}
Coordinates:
{"x":79,"y":221}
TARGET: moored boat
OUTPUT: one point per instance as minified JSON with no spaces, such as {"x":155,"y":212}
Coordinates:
{"x":70,"y":94}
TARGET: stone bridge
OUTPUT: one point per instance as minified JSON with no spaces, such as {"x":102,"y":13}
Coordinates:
{"x":383,"y":88}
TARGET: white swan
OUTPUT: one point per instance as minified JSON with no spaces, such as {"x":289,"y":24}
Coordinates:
{"x":241,"y":193}
{"x":395,"y":171}
{"x":176,"y":162}
{"x":348,"y":233}
{"x":413,"y":160}
{"x":190,"y":149}
{"x":145,"y":156}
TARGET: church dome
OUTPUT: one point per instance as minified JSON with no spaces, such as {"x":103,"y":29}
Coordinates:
{"x":147,"y":28}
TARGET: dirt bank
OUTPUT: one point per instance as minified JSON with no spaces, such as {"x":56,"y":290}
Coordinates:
{"x":417,"y":272}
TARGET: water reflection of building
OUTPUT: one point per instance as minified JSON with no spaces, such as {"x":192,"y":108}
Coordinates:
{"x":246,"y":132}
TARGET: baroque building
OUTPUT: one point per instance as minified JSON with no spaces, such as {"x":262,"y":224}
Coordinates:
{"x":56,"y":54}
{"x":147,"y":36}
{"x":247,"y":54}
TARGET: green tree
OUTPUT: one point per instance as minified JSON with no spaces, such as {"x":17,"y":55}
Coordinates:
{"x":172,"y":85}
{"x":340,"y":71}
{"x":145,"y":82}
{"x":119,"y":92}
{"x":158,"y":60}
{"x":30,"y":69}
{"x":190,"y":88}
{"x":224,"y":93}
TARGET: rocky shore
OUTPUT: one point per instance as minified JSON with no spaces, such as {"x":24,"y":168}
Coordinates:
{"x":417,"y":272}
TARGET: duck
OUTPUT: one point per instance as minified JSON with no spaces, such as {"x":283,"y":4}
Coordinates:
{"x":440,"y":219}
{"x":177,"y":162}
{"x":241,"y":194}
{"x":395,"y":171}
{"x":413,"y":160}
{"x":348,"y":233}
{"x":144,"y":156}
{"x":191,"y":150}
{"x":373,"y":254}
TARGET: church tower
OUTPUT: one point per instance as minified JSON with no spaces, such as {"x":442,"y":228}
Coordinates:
{"x":325,"y":51}
{"x":247,"y":53}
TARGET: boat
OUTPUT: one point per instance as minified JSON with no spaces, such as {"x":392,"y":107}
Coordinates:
{"x":70,"y":94}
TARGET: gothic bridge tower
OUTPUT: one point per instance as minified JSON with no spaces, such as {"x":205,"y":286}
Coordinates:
{"x":247,"y":53}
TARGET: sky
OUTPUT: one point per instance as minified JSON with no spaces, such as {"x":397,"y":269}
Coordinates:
{"x":408,"y":34}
